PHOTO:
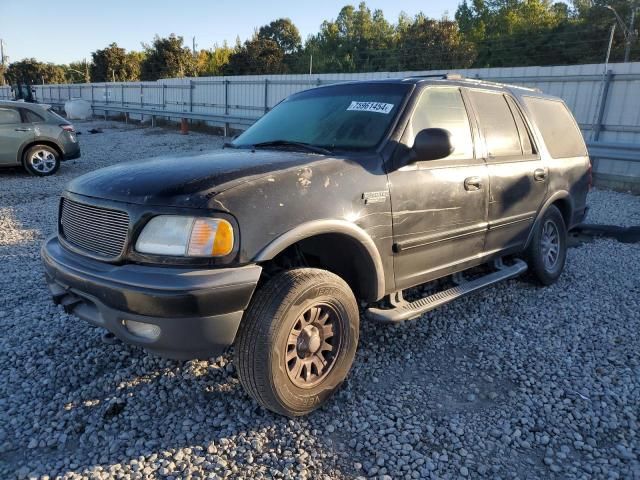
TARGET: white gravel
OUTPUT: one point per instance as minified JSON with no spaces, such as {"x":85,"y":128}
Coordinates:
{"x":514,"y":382}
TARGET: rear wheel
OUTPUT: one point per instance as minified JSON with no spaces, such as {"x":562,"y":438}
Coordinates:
{"x":41,"y":160}
{"x":297,"y":340}
{"x":547,"y":251}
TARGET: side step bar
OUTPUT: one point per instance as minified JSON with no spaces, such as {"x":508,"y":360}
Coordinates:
{"x":407,"y":310}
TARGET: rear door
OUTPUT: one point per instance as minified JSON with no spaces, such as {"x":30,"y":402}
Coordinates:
{"x":518,"y":177}
{"x":439,"y":206}
{"x":13,"y":135}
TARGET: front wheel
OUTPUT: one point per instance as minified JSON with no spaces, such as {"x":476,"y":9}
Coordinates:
{"x":41,"y":160}
{"x":547,"y":251}
{"x":297,"y":340}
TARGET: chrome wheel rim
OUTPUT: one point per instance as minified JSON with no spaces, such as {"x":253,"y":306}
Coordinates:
{"x":550,"y":243}
{"x":312,"y":346}
{"x":43,"y":161}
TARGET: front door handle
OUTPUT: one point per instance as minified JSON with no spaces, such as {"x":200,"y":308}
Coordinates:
{"x":540,"y":174}
{"x":472,"y":183}
{"x":23,"y":129}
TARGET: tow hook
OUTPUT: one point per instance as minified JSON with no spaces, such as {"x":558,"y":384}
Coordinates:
{"x":109,"y":338}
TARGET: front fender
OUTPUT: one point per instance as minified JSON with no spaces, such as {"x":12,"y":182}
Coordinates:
{"x":320,"y":227}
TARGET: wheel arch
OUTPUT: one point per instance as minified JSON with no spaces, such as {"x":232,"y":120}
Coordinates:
{"x":562,"y":200}
{"x":340,"y":247}
{"x":33,"y":143}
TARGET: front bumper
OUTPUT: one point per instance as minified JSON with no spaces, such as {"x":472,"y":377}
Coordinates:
{"x":198,"y":311}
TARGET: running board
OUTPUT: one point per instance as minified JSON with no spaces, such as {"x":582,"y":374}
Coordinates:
{"x":408,"y":310}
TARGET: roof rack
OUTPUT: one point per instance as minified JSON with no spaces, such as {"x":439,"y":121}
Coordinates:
{"x":444,"y":76}
{"x":480,"y":81}
{"x":477,"y":81}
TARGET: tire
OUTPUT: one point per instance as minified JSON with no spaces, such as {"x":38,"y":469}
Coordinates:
{"x":279,"y":368}
{"x":41,"y":161}
{"x":550,"y":232}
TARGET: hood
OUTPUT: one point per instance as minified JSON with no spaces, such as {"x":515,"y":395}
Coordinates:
{"x":184,"y":181}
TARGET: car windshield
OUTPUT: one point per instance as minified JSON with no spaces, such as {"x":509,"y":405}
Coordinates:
{"x":352,"y":116}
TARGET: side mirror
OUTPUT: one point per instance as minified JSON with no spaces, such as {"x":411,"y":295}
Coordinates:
{"x":431,"y":144}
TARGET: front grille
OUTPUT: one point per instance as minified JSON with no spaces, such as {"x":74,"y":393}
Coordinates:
{"x":95,"y":229}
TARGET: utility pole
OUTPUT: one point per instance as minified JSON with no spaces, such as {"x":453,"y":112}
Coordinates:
{"x":2,"y":59}
{"x":633,"y":34}
{"x":630,"y":34}
{"x":193,"y":45}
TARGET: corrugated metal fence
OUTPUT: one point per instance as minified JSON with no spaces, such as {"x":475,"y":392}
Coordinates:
{"x":606,"y":103}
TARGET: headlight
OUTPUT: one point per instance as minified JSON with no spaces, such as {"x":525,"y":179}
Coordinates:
{"x":186,"y":236}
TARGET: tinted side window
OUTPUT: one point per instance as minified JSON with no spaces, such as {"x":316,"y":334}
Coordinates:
{"x":444,"y":108}
{"x":9,"y":115}
{"x":31,"y":117}
{"x":559,"y":131}
{"x":497,"y":124}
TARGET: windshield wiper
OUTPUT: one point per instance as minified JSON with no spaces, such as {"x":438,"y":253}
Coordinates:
{"x":287,"y":143}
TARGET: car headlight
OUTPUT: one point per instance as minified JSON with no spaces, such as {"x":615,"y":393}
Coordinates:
{"x":178,"y":235}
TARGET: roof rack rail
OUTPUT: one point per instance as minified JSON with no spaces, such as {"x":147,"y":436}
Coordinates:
{"x":444,"y":76}
{"x":477,"y":81}
{"x":481,"y":81}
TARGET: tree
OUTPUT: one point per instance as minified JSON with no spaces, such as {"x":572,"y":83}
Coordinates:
{"x":536,"y":32}
{"x":212,"y":62}
{"x":77,"y":72}
{"x":31,"y":72}
{"x":256,"y":56}
{"x":357,"y":40}
{"x":284,"y":33}
{"x":427,"y":44}
{"x":168,"y":58}
{"x":115,"y":64}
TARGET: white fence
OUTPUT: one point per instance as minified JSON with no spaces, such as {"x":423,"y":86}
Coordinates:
{"x":605,"y":103}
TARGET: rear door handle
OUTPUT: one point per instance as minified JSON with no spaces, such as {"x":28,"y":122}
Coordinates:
{"x":23,"y":129}
{"x":472,"y":183}
{"x":540,"y":174}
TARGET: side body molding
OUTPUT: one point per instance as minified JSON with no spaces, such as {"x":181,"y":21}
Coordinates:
{"x":320,"y":227}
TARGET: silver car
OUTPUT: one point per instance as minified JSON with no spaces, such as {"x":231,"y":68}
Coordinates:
{"x":35,"y":137}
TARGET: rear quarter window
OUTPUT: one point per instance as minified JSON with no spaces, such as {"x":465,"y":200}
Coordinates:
{"x":31,"y":117}
{"x":557,"y":126}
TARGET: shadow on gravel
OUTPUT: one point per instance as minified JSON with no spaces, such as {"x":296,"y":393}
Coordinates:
{"x":111,"y":404}
{"x":622,"y":234}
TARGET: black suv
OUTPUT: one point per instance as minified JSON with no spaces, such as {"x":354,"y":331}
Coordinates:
{"x":342,"y":194}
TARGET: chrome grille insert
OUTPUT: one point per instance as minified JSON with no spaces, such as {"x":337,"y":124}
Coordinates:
{"x":97,"y":230}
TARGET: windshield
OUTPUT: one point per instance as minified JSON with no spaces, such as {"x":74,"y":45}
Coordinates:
{"x":354,"y":116}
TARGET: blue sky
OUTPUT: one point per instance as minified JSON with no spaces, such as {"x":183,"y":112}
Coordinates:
{"x":72,"y":29}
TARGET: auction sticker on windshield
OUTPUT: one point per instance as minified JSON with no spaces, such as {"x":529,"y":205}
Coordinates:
{"x":377,"y":107}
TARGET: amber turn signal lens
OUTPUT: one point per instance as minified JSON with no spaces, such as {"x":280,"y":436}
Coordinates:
{"x":210,"y":238}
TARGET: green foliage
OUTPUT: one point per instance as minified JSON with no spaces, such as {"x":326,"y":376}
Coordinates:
{"x":211,"y":62}
{"x":115,"y":64}
{"x":538,"y":32}
{"x":485,"y":33}
{"x":31,"y":72}
{"x":284,"y":33}
{"x":256,"y":56}
{"x":167,"y":58}
{"x":358,"y":40}
{"x":77,"y":72}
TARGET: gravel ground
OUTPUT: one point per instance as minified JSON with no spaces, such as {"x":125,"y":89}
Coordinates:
{"x":514,"y":382}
